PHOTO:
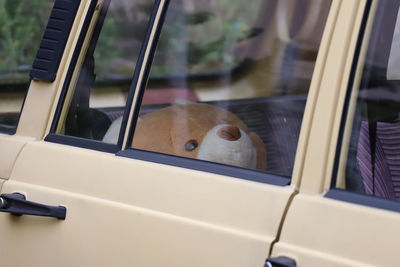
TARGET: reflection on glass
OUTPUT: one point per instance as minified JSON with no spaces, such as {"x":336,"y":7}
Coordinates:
{"x":373,"y":154}
{"x":230,"y":80}
{"x":102,"y":82}
{"x":22,"y":24}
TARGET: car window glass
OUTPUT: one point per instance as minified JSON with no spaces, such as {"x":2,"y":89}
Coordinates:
{"x":372,"y":164}
{"x":99,"y":87}
{"x":229,"y":82}
{"x":21,"y":28}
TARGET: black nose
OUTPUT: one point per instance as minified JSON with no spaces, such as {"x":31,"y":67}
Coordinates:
{"x":229,"y":133}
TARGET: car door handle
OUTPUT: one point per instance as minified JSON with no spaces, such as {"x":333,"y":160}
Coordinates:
{"x":280,"y":262}
{"x":16,"y":204}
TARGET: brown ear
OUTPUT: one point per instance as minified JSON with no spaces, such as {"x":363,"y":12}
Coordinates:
{"x":260,"y":149}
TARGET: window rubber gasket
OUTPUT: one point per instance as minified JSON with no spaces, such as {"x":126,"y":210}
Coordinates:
{"x":363,"y":199}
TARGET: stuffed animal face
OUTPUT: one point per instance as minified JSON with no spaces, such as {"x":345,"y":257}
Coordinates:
{"x":229,"y":145}
{"x":199,"y":131}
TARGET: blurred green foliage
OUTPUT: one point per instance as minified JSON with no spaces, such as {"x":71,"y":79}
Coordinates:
{"x":198,"y":36}
{"x":106,"y":49}
{"x":22,"y":23}
{"x":21,"y":27}
{"x":202,"y":36}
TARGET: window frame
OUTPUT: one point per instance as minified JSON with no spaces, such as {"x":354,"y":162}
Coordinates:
{"x":132,"y":108}
{"x":141,"y":63}
{"x":172,"y":160}
{"x":343,"y":194}
{"x":72,"y":140}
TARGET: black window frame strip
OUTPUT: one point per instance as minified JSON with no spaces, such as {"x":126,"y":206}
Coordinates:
{"x":362,"y":199}
{"x":8,"y":129}
{"x":82,"y":143}
{"x":342,"y":194}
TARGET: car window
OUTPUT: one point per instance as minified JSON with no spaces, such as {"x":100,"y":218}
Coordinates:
{"x":21,"y":28}
{"x":229,"y":82}
{"x":371,"y":154}
{"x":97,"y":89}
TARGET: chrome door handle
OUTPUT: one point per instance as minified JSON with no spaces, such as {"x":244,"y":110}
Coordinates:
{"x":16,"y":204}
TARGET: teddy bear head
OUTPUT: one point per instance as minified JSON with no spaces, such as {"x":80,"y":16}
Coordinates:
{"x":200,"y":131}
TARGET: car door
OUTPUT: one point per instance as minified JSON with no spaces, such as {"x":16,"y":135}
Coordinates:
{"x":347,"y":207}
{"x":130,"y":205}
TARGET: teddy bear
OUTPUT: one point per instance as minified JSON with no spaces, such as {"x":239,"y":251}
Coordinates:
{"x":199,"y":131}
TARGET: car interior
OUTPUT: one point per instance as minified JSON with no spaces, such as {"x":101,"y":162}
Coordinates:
{"x":374,"y":156}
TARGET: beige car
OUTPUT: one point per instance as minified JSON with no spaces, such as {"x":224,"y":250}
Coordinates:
{"x":200,"y":133}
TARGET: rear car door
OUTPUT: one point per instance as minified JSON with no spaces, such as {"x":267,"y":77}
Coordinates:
{"x":347,"y":207}
{"x":131,"y":204}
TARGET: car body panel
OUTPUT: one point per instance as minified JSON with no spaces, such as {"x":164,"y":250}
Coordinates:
{"x":335,"y":232}
{"x":315,"y":88}
{"x":169,"y":208}
{"x":327,"y":113}
{"x":347,"y":235}
{"x":181,"y":216}
{"x":11,"y":147}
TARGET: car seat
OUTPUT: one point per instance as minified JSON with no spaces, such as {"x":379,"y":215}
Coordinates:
{"x":373,"y":165}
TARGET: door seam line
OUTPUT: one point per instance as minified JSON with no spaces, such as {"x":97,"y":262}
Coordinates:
{"x":15,"y":161}
{"x":285,"y":212}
